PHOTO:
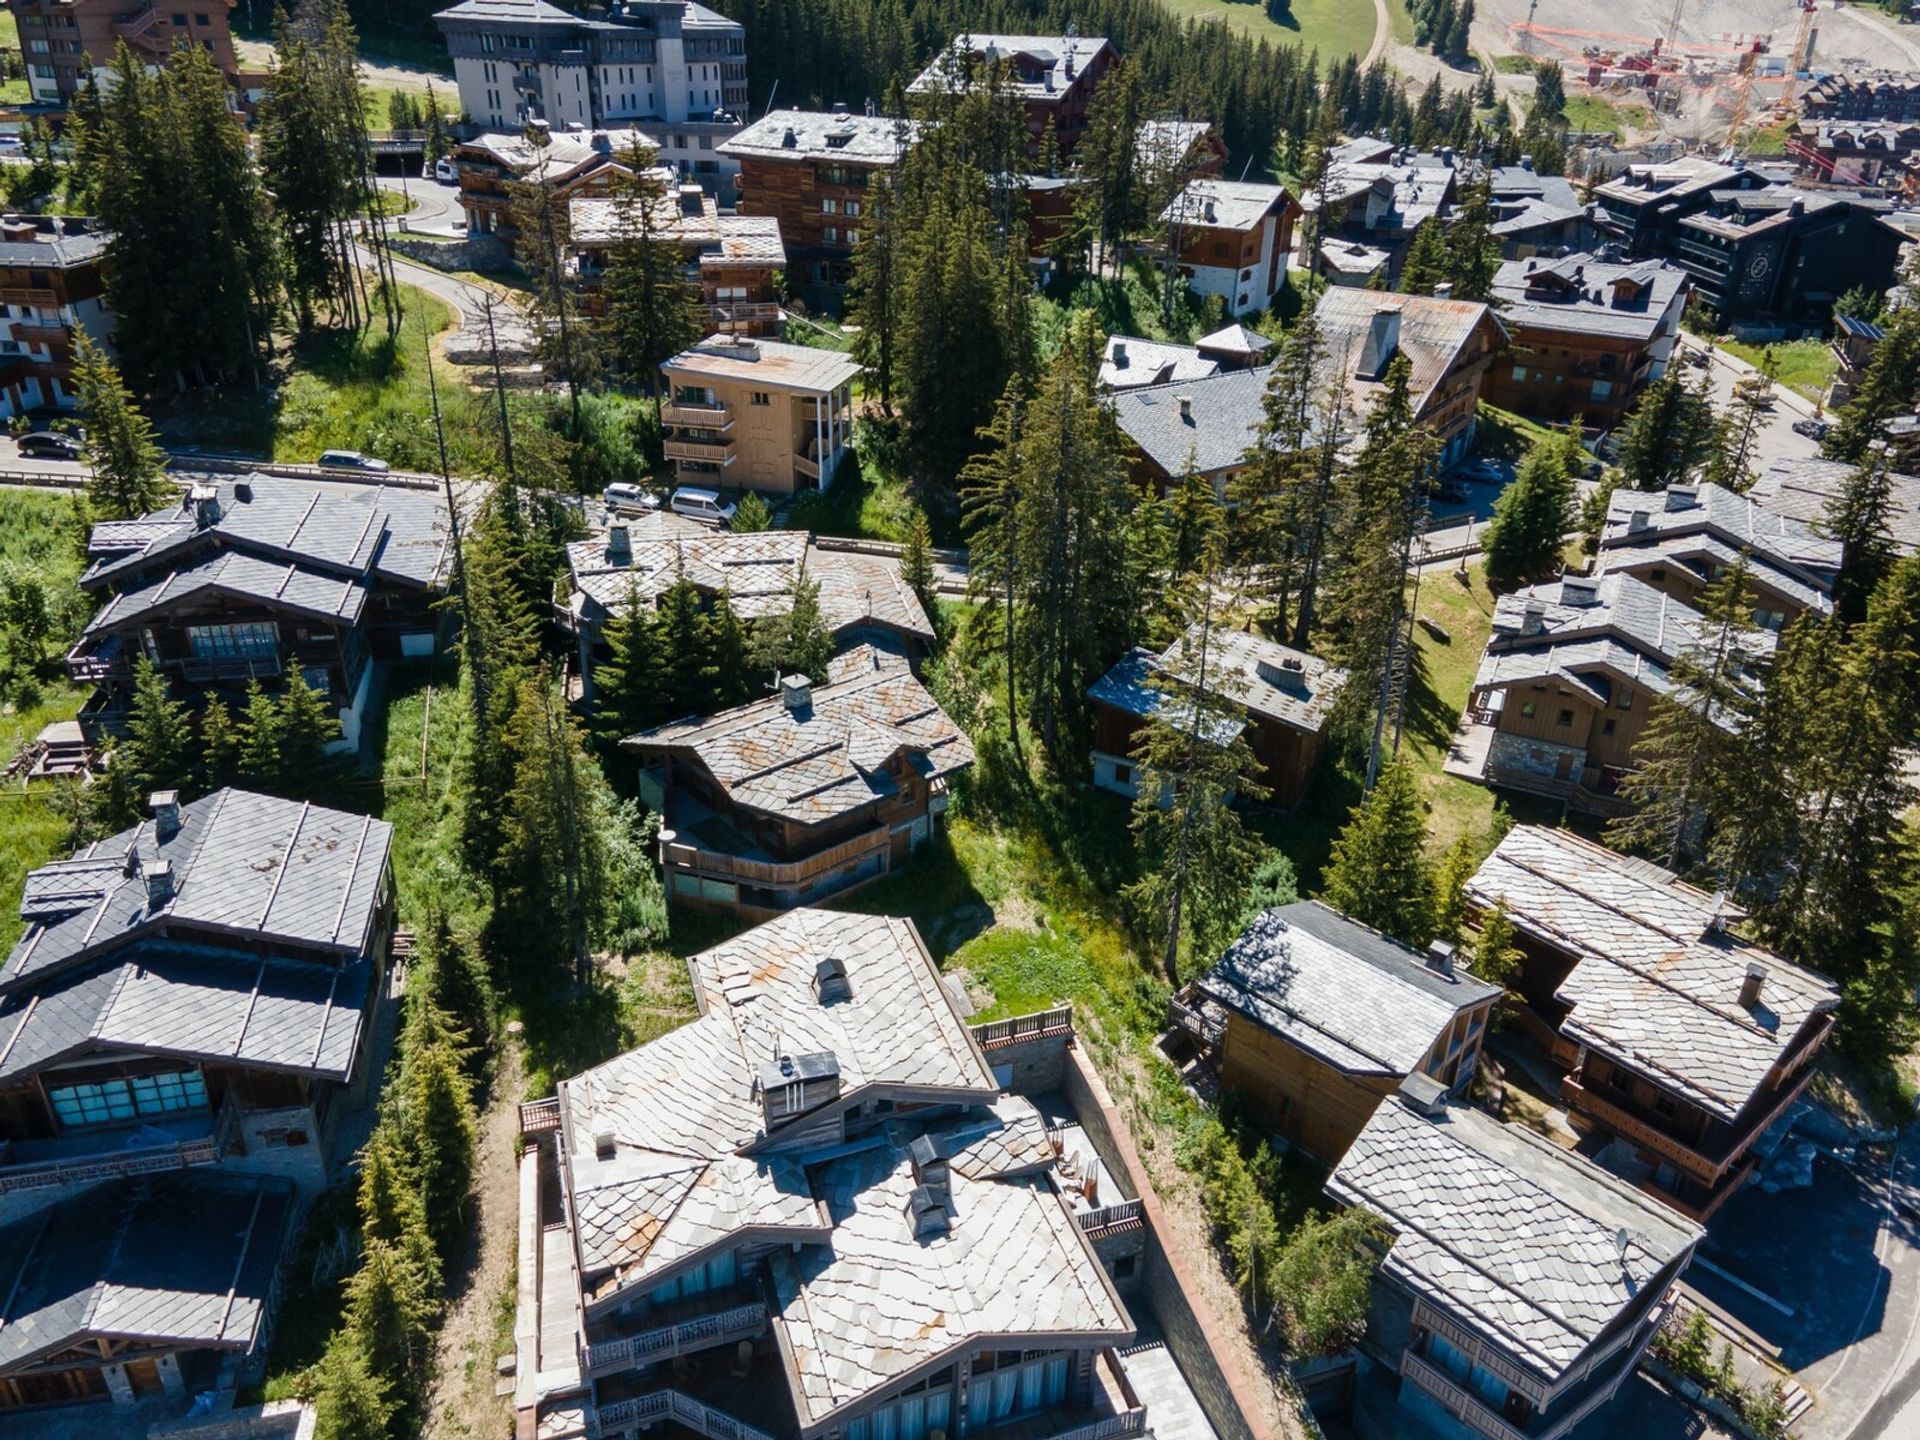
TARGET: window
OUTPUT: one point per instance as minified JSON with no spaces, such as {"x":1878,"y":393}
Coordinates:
{"x":255,"y":641}
{"x":1519,"y":372}
{"x":1606,"y":727}
{"x":1013,"y":1386}
{"x":127,"y":1099}
{"x":1528,"y":710}
{"x":1625,"y":702}
{"x":853,"y":207}
{"x":1602,"y":389}
{"x":1620,"y":1080}
{"x":759,"y":397}
{"x":180,"y":20}
{"x":1663,"y":1105}
{"x":1219,"y":247}
{"x":1565,"y":719}
{"x":829,"y":206}
{"x":318,"y":678}
{"x":830,"y":235}
{"x":201,"y":20}
{"x":1123,"y":774}
{"x":1656,"y":575}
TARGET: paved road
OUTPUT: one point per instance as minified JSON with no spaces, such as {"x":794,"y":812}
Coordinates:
{"x":469,"y":301}
{"x":1777,"y":440}
{"x":435,"y":207}
{"x":1382,"y":33}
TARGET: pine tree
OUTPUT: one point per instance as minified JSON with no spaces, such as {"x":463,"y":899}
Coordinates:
{"x":391,"y":1210}
{"x":1497,"y":956}
{"x":391,"y":1309}
{"x":157,"y":750}
{"x":1379,"y":874}
{"x":874,"y":294}
{"x":1686,"y":749}
{"x":1667,"y":435}
{"x":307,"y":725}
{"x":1734,"y":448}
{"x":1323,"y":1277}
{"x":352,"y":1399}
{"x":438,"y":1136}
{"x":653,"y":310}
{"x":1450,"y":891}
{"x":1886,"y":390}
{"x":991,"y":488}
{"x":1549,"y":90}
{"x":1532,"y":516}
{"x":1857,"y":516}
{"x":219,"y":745}
{"x":728,"y":647}
{"x":260,"y":748}
{"x":916,"y":562}
{"x":627,"y":686}
{"x":750,"y":515}
{"x":798,"y":642}
{"x":1427,"y":262}
{"x":553,"y":858}
{"x":129,"y":468}
{"x":680,"y":636}
{"x":1473,"y":250}
{"x":566,"y":339}
{"x":453,"y":979}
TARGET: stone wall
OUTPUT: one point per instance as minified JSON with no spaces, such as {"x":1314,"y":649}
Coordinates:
{"x":1039,"y":1065}
{"x":281,"y":1420}
{"x":476,"y":252}
{"x":267,"y":1139}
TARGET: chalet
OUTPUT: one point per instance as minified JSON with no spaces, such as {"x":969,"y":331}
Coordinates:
{"x":1535,"y":214}
{"x":52,"y":289}
{"x":259,"y":578}
{"x":1682,"y":541}
{"x":1643,"y":207}
{"x":1130,"y":362}
{"x":568,"y":164}
{"x":1681,"y":1043}
{"x":757,"y":414}
{"x":812,"y":792}
{"x":862,"y":597}
{"x":1315,"y":1019}
{"x":814,"y":173}
{"x":1179,"y":147}
{"x":1872,"y":95}
{"x":1286,"y":694}
{"x":1353,"y":265}
{"x":1521,"y":1284}
{"x":816,"y":1202}
{"x":1854,"y":343}
{"x":1054,"y":77}
{"x":1830,"y":152}
{"x":1378,"y":194}
{"x":1231,"y":239}
{"x":1587,"y":336}
{"x":735,"y":259}
{"x":1805,"y":490}
{"x":1569,"y":678}
{"x":186,"y":1027}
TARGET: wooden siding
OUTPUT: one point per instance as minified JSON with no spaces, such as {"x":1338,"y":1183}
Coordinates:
{"x":1586,"y":728}
{"x":1561,"y":367}
{"x":1310,"y":1102}
{"x":1288,"y":757}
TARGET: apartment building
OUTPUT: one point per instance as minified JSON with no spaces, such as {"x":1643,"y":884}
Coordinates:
{"x":1376,"y":194}
{"x":1054,"y":76}
{"x":1680,"y":1043}
{"x":757,"y":414}
{"x":1804,"y":490}
{"x":187,"y":1024}
{"x":1316,"y":1020}
{"x":52,"y":286}
{"x":1587,"y":335}
{"x":1521,"y":1283}
{"x":69,"y":44}
{"x":675,"y":67}
{"x":813,"y":173}
{"x":1232,"y":239}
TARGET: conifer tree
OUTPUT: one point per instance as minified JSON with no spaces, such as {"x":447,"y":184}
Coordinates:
{"x":1687,"y":747}
{"x":391,"y":1309}
{"x":1532,"y":516}
{"x":219,"y":745}
{"x":1473,"y":250}
{"x":1667,"y":435}
{"x":653,"y":310}
{"x":682,"y":650}
{"x":260,"y":744}
{"x":567,"y":341}
{"x":991,"y":487}
{"x":1857,"y":516}
{"x":875,"y":290}
{"x":798,"y":642}
{"x":1323,"y":1277}
{"x":627,"y":686}
{"x":553,"y":859}
{"x":129,"y":469}
{"x":1497,"y":956}
{"x":728,"y":648}
{"x":437,"y":1134}
{"x":1450,"y":891}
{"x":307,"y":726}
{"x":453,"y":977}
{"x":157,"y":750}
{"x":352,"y":1400}
{"x":916,"y":562}
{"x":1736,"y":435}
{"x":391,"y":1210}
{"x":750,"y":515}
{"x":1379,"y":874}
{"x":1427,"y":262}
{"x":1886,"y":390}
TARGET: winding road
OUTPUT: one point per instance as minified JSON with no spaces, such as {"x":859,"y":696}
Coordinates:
{"x":1382,"y":33}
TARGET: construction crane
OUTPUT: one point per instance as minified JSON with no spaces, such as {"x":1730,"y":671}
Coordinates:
{"x":1526,"y":35}
{"x":1673,"y":26}
{"x":1802,"y":42}
{"x":1750,"y":64}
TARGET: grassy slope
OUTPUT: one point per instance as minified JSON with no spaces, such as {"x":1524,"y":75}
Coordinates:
{"x":1804,"y":365}
{"x":1334,"y":27}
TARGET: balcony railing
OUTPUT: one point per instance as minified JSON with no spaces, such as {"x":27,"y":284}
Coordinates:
{"x":710,"y":417}
{"x":1458,"y":1401}
{"x":805,"y":466}
{"x":772,"y":873}
{"x":717,"y":450}
{"x":199,"y":670}
{"x":41,"y":332}
{"x":1196,"y":1021}
{"x":623,"y":1417}
{"x":539,"y":1116}
{"x":1623,"y":1122}
{"x":1127,"y":1422}
{"x":1112,"y":1219}
{"x":612,"y":1356}
{"x":112,"y":1164}
{"x":994,"y":1033}
{"x":40,"y":299}
{"x":1511,"y":1375}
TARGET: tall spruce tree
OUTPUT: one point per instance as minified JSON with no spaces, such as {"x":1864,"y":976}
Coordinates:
{"x":568,"y":342}
{"x":653,"y":310}
{"x":1735,"y":447}
{"x":1532,"y":516}
{"x":129,"y":468}
{"x":157,"y":751}
{"x":1379,"y":873}
{"x":1857,"y":516}
{"x":1668,"y":433}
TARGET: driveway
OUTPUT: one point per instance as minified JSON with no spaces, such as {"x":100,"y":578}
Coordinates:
{"x":1841,"y":1266}
{"x":469,"y":346}
{"x":434,"y":208}
{"x":1777,"y":440}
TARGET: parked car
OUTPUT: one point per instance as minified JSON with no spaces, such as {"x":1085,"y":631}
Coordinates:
{"x":1481,"y":472}
{"x":49,"y":445}
{"x":446,"y":172}
{"x":1696,"y":358}
{"x":1450,"y":492}
{"x":11,"y":141}
{"x":699,"y":504}
{"x":353,"y":460}
{"x":625,"y":496}
{"x":1812,"y":429}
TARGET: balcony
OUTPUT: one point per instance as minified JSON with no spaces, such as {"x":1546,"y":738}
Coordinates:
{"x":629,"y":1417}
{"x":41,"y":332}
{"x":202,"y":670}
{"x":703,"y":1332}
{"x":38,"y":298}
{"x":1112,"y":1219}
{"x":675,"y":854}
{"x":719,"y":452}
{"x":992,"y":1034}
{"x":700,"y":416}
{"x":1458,"y":1401}
{"x":83,"y":1159}
{"x":805,"y":466}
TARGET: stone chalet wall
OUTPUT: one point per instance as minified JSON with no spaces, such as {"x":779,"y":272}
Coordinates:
{"x":1050,"y":1062}
{"x":281,"y":1420}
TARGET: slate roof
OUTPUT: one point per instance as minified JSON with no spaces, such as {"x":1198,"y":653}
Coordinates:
{"x":1168,"y":142}
{"x":1223,"y":417}
{"x":1585,"y":304}
{"x":1433,"y":335}
{"x":1235,"y":339}
{"x":1342,"y":992}
{"x":116,"y":1262}
{"x":1060,"y":59}
{"x":246,"y":867}
{"x":1254,"y":670}
{"x":288,"y":587}
{"x":1514,"y":1237}
{"x":566,"y":155}
{"x":1803,"y":489}
{"x":520,"y":12}
{"x":1707,"y":524}
{"x":756,"y":569}
{"x":820,"y":135}
{"x":1130,"y":361}
{"x":59,"y":242}
{"x":1656,"y":979}
{"x":1224,"y":204}
{"x":1416,"y":186}
{"x":830,"y":758}
{"x":773,"y":363}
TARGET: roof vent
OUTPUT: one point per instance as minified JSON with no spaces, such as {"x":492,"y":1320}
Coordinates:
{"x":830,"y":981}
{"x":1289,"y":674}
{"x":619,"y":545}
{"x":1186,"y":406}
{"x":1424,"y":1095}
{"x":603,"y":1145}
{"x":796,"y":692}
{"x":165,"y":805}
{"x":789,"y":140}
{"x":1751,"y":984}
{"x":928,"y":1213}
{"x":839,"y":107}
{"x":1683,"y":497}
{"x":205,"y":501}
{"x":930,"y":1169}
{"x":1639,"y":520}
{"x":1443,"y":290}
{"x":1439,"y":958}
{"x":159,"y":878}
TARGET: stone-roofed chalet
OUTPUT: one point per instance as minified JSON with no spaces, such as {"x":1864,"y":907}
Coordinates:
{"x":811,"y":792}
{"x":571,"y":163}
{"x":202,"y":990}
{"x":1569,"y":677}
{"x":824,"y":1154}
{"x":1233,"y":238}
{"x":1682,"y":1042}
{"x":1536,"y":214}
{"x":733,"y":258}
{"x":1587,"y":335}
{"x":1055,"y":77}
{"x":862,"y":597}
{"x":1315,"y":1018}
{"x":1381,"y":194}
{"x":1286,"y":695}
{"x":259,"y":578}
{"x":1521,"y":1284}
{"x":1680,"y":542}
{"x":1804,"y":490}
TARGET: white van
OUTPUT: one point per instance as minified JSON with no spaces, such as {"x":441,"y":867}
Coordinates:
{"x":698,"y":504}
{"x":446,"y":172}
{"x":623,"y":497}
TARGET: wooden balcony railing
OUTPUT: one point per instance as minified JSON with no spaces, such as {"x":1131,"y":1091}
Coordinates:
{"x":623,"y":1417}
{"x":994,"y":1033}
{"x":612,"y":1356}
{"x":773,"y":873}
{"x":1127,"y":1422}
{"x":716,"y":450}
{"x":1196,"y":1022}
{"x":1625,"y":1123}
{"x":711,"y":417}
{"x":805,"y":466}
{"x":539,"y":1116}
{"x":40,"y":299}
{"x":41,"y":332}
{"x":1112,"y":1219}
{"x":1511,"y":1375}
{"x":1458,"y":1401}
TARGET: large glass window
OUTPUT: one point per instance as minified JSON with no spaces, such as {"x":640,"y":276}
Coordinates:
{"x":112,"y":1101}
{"x":259,"y":640}
{"x":1014,"y":1387}
{"x":716,"y":1274}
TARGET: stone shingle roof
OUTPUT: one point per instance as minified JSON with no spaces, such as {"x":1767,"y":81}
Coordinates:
{"x":1249,"y":669}
{"x":1130,"y":361}
{"x":247,"y":869}
{"x":1656,"y":980}
{"x":1585,"y":303}
{"x":1528,"y":1245}
{"x":1803,"y":490}
{"x":820,"y":135}
{"x":1342,"y":992}
{"x":1433,"y":335}
{"x":830,"y":757}
{"x":1224,"y":204}
{"x":117,"y":1262}
{"x":1219,"y":423}
{"x":1057,"y":60}
{"x":281,"y":586}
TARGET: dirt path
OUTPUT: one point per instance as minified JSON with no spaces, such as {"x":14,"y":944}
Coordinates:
{"x":461,"y":1402}
{"x":1382,"y":33}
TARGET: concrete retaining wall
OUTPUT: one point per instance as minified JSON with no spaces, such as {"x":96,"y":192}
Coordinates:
{"x":281,"y":1420}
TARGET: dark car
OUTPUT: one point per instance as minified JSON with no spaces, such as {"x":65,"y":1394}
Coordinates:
{"x":1696,"y":358}
{"x":1812,"y":429}
{"x":47,"y":445}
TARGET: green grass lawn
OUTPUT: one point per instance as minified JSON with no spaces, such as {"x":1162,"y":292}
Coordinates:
{"x":1592,"y":113}
{"x":1514,"y":64}
{"x":1767,"y":139}
{"x":1805,"y":366}
{"x":1129,"y":305}
{"x":1333,"y":27}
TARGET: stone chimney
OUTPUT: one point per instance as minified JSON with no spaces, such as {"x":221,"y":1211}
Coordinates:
{"x":1750,"y":986}
{"x":205,"y":501}
{"x":1533,"y":619}
{"x":1383,"y":339}
{"x":796,"y":692}
{"x":796,"y":1084}
{"x":1440,"y":958}
{"x":1119,"y":354}
{"x":165,"y":805}
{"x":619,"y":546}
{"x":1639,"y":520}
{"x":1186,"y":407}
{"x":159,"y":878}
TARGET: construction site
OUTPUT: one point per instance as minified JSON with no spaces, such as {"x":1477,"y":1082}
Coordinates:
{"x":1707,"y":72}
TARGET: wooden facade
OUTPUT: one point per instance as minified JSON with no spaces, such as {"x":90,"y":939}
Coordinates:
{"x":820,"y":203}
{"x":52,"y":286}
{"x":1288,"y":757}
{"x":1315,"y":1105}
